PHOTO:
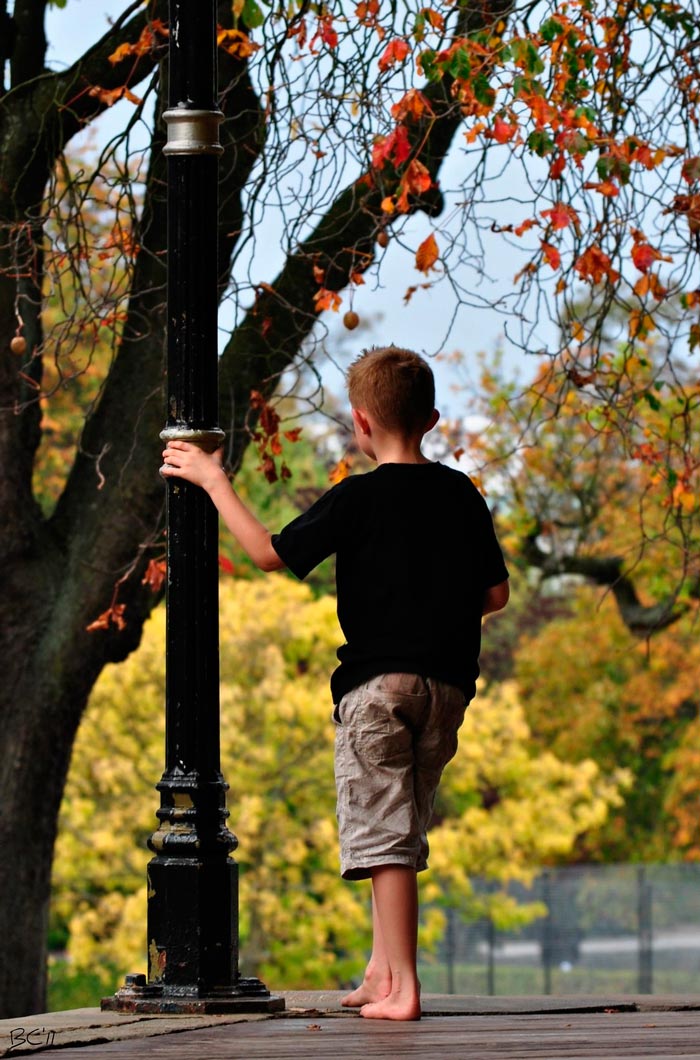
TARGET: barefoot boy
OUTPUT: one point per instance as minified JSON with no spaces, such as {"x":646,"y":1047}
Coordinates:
{"x":417,"y":565}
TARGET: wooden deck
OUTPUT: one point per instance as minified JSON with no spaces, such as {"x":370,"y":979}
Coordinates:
{"x":522,"y":1036}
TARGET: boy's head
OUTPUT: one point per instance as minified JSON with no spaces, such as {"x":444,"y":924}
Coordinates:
{"x":396,"y":387}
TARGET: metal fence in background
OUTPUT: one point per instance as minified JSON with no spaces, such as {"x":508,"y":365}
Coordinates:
{"x":610,"y":929}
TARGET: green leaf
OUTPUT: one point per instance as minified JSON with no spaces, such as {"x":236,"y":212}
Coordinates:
{"x":483,"y":91}
{"x":551,"y":29}
{"x":460,"y":65}
{"x":252,"y":14}
{"x":429,"y":65}
{"x":539,"y":142}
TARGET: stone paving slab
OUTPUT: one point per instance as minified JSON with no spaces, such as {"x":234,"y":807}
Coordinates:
{"x":90,"y":1026}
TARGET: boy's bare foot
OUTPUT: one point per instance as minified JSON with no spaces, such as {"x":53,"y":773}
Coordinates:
{"x":393,"y":1007}
{"x":368,"y":992}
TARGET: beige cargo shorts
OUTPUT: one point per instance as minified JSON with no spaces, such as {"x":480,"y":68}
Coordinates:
{"x":394,"y":735}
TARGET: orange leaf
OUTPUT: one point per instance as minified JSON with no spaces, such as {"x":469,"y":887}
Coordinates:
{"x":434,"y":18}
{"x":551,"y":254}
{"x":236,"y":43}
{"x":114,"y":615}
{"x":605,"y":187}
{"x":412,"y":105}
{"x":595,"y":265}
{"x":525,"y":226}
{"x":427,"y":254}
{"x":417,"y":179}
{"x":340,"y":471}
{"x":641,"y":324}
{"x":395,"y":52}
{"x":121,"y":52}
{"x":109,"y":96}
{"x":650,"y":283}
{"x":145,"y":43}
{"x":326,"y":299}
{"x":474,"y":132}
{"x":154,"y":575}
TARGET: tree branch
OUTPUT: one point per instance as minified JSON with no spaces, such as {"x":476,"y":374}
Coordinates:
{"x":269,"y":337}
{"x":641,"y":620}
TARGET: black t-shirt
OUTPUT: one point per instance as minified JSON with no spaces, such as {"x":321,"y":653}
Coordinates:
{"x":415,"y":552}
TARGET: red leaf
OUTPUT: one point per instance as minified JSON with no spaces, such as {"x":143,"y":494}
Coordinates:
{"x":328,"y":34}
{"x":395,"y":52}
{"x":502,"y":131}
{"x":643,"y":254}
{"x":551,"y":254}
{"x":561,"y":216}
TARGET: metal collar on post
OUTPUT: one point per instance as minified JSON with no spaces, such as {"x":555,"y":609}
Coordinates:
{"x":193,"y":132}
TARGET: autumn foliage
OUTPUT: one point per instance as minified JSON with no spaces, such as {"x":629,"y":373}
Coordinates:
{"x":302,"y":925}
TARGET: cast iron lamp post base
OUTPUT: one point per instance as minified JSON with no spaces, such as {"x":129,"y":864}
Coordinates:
{"x":137,"y":995}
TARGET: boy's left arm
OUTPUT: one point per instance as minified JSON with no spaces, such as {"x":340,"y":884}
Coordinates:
{"x":188,"y":461}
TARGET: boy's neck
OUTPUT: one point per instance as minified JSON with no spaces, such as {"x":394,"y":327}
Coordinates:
{"x":385,"y":446}
{"x":392,"y":450}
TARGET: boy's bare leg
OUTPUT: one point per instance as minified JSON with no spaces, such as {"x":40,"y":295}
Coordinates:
{"x":377,"y":980}
{"x":395,"y":895}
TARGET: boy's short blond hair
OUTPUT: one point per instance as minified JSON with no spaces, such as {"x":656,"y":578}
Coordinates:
{"x":395,"y":386}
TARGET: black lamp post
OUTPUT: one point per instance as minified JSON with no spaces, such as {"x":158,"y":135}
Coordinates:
{"x":192,"y":880}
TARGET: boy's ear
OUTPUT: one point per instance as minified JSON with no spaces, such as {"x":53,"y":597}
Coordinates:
{"x":360,"y":419}
{"x":434,"y":417}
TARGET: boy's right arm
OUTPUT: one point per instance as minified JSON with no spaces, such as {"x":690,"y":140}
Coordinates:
{"x":496,"y":598}
{"x":188,"y":461}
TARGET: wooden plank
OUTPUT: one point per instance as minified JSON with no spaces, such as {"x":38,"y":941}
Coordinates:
{"x":588,"y":1036}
